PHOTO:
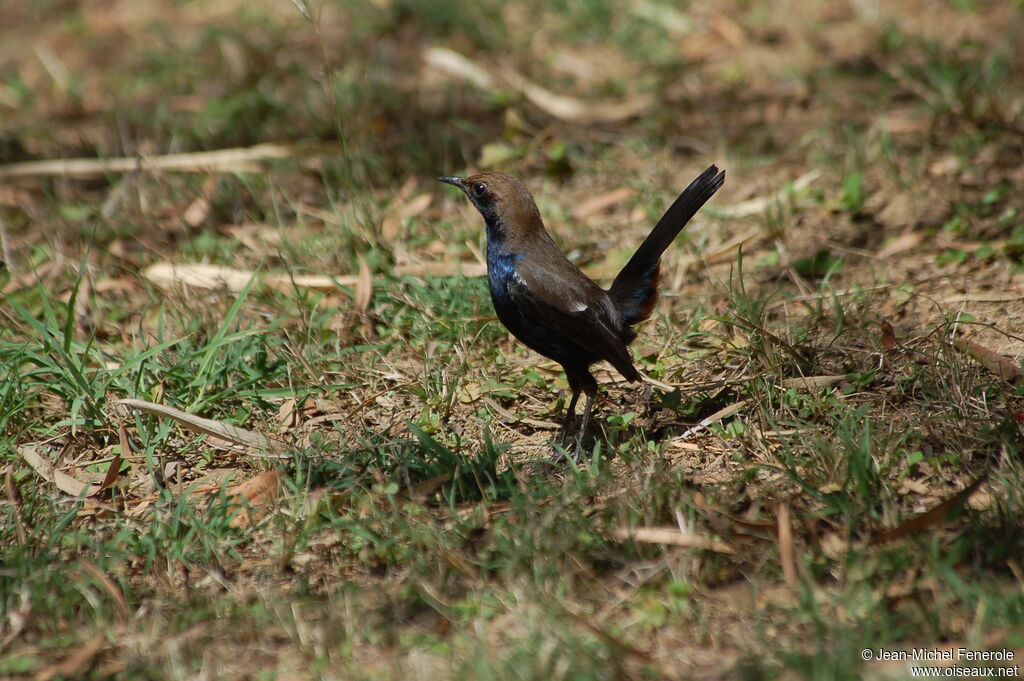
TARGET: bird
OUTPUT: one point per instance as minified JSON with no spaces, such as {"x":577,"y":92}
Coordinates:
{"x":554,"y":308}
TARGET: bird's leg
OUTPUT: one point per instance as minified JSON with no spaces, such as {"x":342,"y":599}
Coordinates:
{"x":580,"y":381}
{"x":583,"y":382}
{"x":587,"y":407}
{"x":570,"y":413}
{"x":577,"y":448}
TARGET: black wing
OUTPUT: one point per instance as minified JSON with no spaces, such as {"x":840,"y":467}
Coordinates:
{"x":573,"y":318}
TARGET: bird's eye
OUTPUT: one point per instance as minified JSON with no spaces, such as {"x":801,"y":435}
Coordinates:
{"x":479,"y":188}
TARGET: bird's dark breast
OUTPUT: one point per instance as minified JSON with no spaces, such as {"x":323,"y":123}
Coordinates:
{"x":500,"y":272}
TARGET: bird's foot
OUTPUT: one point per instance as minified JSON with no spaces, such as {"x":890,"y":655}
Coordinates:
{"x":568,"y":448}
{"x":563,"y":455}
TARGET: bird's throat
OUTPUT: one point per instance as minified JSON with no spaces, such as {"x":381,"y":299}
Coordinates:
{"x":495,"y":233}
{"x":501,"y":264}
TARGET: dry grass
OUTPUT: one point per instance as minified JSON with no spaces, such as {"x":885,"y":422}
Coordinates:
{"x":830,"y":460}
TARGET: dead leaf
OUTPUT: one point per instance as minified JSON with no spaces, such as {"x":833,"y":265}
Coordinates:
{"x":602,"y":202}
{"x":933,"y":516}
{"x":199,"y":209}
{"x":760,"y":528}
{"x":858,"y":290}
{"x":812,"y":383}
{"x":515,"y":418}
{"x":74,"y":665}
{"x":671,"y":536}
{"x":787,"y":552}
{"x":496,"y":154}
{"x":55,"y":67}
{"x":833,"y":546}
{"x":29,"y":278}
{"x":455,"y":64}
{"x":904,"y":242}
{"x":364,"y":286}
{"x":663,"y":16}
{"x":173,"y":276}
{"x":730,"y":31}
{"x":757,"y":206}
{"x":727,"y":252}
{"x":1002,"y":367}
{"x":947,"y":165}
{"x":417,"y":205}
{"x":979,"y":501}
{"x":469,"y":393}
{"x":888,"y":340}
{"x":714,"y":418}
{"x":166,"y":275}
{"x":108,"y":584}
{"x":899,"y":212}
{"x":577,"y":110}
{"x":45,"y":469}
{"x":442,"y":269}
{"x":114,"y":469}
{"x":241,"y":160}
{"x":613,"y":641}
{"x":912,"y":486}
{"x":402,"y":210}
{"x":288,"y":415}
{"x":563,"y":107}
{"x":256,"y":497}
{"x":137,"y":509}
{"x":257,"y":237}
{"x":424,"y":488}
{"x":988,"y":297}
{"x":217,"y":478}
{"x":11,"y":197}
{"x":198,"y":424}
{"x":121,"y":284}
{"x":661,"y":385}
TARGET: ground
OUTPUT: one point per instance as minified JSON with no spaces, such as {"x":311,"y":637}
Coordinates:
{"x":257,"y":419}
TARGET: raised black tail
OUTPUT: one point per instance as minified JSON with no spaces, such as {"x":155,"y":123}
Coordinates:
{"x":635,"y":289}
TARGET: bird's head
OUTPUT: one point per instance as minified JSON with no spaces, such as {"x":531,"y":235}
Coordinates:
{"x":504,"y":201}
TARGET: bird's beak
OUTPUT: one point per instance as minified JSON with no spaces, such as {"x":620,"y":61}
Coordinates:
{"x":454,"y":181}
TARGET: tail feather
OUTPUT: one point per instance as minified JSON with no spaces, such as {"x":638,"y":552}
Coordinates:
{"x":635,"y":289}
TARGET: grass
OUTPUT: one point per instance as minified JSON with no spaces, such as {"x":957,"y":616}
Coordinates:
{"x":412,"y":527}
